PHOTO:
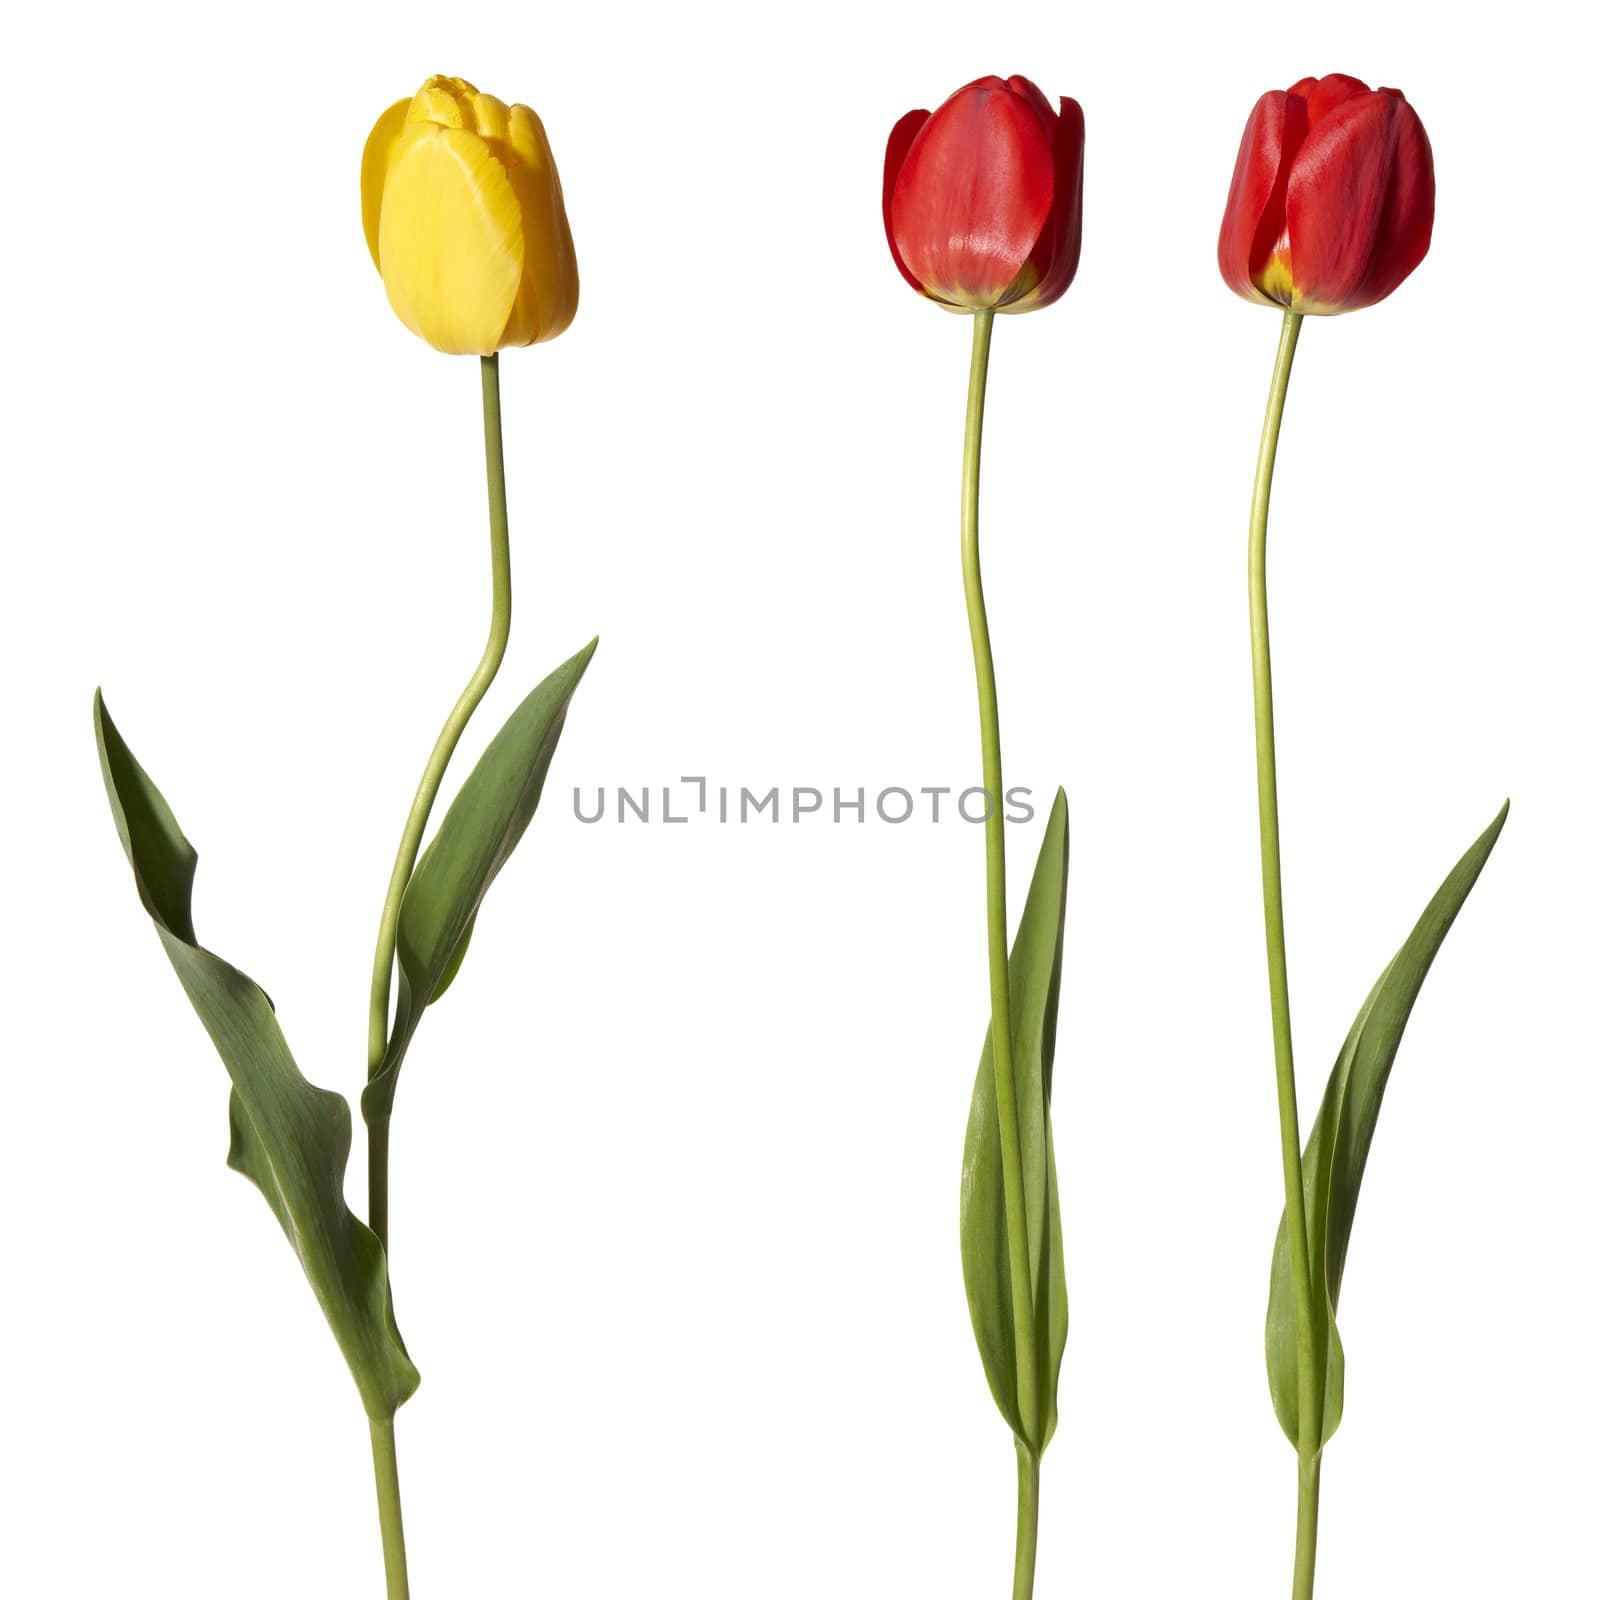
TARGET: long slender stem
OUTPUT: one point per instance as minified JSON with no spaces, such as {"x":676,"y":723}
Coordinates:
{"x":1305,"y":1528}
{"x":386,"y":1471}
{"x":994,"y":838}
{"x":433,"y":774}
{"x":1027,"y":1522}
{"x":1308,"y":1366}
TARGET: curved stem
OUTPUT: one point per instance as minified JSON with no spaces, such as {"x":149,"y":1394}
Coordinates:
{"x":386,"y":1471}
{"x":994,"y":839}
{"x":433,"y":774}
{"x":1308,"y":1361}
{"x":1027,"y":1522}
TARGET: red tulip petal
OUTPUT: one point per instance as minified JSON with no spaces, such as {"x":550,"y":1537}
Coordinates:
{"x":1334,"y":208}
{"x":973,"y":195}
{"x":1253,"y":219}
{"x":1328,"y":94}
{"x":900,"y":140}
{"x":1034,"y":95}
{"x":1055,"y":258}
{"x":1406,"y":227}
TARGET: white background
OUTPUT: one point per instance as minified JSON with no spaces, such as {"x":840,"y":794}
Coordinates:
{"x":676,"y":1164}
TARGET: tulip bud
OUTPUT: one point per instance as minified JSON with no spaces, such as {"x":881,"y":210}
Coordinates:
{"x":983,"y":199}
{"x":462,"y":209}
{"x":1331,"y":207}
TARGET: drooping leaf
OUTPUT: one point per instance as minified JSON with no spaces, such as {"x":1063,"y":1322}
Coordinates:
{"x":289,"y":1137}
{"x":488,"y":816}
{"x":1035,"y":972}
{"x":1335,"y":1156}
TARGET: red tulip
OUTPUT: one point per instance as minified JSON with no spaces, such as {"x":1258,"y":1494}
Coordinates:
{"x":983,"y":198}
{"x":1331,"y":207}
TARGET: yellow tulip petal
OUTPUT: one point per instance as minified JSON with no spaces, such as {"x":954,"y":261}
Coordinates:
{"x":528,"y":141}
{"x":547,"y":299}
{"x":442,"y":101}
{"x":450,"y":239}
{"x":375,"y":169}
{"x":491,"y":118}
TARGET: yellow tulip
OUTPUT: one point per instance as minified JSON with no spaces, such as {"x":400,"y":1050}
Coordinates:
{"x":462,"y":209}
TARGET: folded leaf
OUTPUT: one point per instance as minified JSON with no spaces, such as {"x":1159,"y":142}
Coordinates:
{"x":454,"y":964}
{"x":290,"y":1138}
{"x":480,"y":830}
{"x":1336,"y":1153}
{"x":1035,"y":972}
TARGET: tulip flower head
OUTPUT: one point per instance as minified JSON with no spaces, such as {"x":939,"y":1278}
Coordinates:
{"x":983,"y":198}
{"x":1331,"y":207}
{"x":463,"y":214}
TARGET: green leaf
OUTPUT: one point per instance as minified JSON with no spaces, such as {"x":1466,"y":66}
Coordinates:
{"x":1035,"y":971}
{"x":480,"y":830}
{"x":290,"y":1138}
{"x":1336,"y":1153}
{"x":457,"y":957}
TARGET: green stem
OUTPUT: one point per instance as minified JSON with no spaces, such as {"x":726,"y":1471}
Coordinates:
{"x":1027,"y":1522}
{"x":1308,"y":1361}
{"x":1305,"y":1528}
{"x":386,"y":1471}
{"x":433,"y":774}
{"x":378,"y":1176}
{"x":994,"y":839}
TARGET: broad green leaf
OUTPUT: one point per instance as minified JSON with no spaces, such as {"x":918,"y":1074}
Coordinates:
{"x":480,"y":830}
{"x":454,"y":966}
{"x":1035,"y":970}
{"x":290,"y":1138}
{"x":1336,"y":1154}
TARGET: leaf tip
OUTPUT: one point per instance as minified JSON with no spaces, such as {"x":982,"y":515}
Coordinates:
{"x":1057,"y":823}
{"x":1492,"y":832}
